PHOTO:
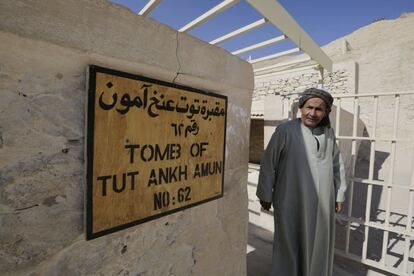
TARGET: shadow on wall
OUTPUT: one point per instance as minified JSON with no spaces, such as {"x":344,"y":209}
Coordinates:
{"x":394,"y":254}
{"x":374,"y":249}
{"x":346,"y":129}
{"x":256,"y":146}
{"x":376,"y":237}
{"x":375,"y":240}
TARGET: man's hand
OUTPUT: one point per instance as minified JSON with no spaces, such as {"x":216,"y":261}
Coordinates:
{"x":265,"y":205}
{"x":338,"y":207}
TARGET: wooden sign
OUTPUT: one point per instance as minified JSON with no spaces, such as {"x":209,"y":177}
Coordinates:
{"x":153,"y":148}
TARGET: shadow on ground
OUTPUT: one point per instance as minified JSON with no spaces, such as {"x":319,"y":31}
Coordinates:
{"x":259,"y":259}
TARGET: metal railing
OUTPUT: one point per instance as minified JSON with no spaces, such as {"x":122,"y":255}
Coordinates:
{"x":289,"y":107}
{"x":389,"y":184}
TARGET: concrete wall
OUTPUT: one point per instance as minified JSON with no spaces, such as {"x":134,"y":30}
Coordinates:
{"x":44,"y":52}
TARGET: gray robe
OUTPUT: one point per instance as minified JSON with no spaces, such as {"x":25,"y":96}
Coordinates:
{"x":302,"y":173}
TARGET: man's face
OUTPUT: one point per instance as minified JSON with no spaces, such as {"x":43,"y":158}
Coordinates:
{"x":312,"y":112}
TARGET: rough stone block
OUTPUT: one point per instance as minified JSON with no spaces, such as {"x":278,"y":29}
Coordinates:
{"x":45,"y":50}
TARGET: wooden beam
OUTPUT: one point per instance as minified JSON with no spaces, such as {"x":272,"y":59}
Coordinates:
{"x":273,"y":11}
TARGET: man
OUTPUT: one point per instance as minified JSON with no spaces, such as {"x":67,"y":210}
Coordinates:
{"x":303,"y":175}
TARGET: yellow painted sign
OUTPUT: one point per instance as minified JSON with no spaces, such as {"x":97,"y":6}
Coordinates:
{"x":153,"y":148}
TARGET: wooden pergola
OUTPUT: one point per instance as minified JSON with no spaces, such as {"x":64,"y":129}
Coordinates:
{"x":273,"y":13}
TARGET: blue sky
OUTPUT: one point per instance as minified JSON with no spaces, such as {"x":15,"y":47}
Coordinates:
{"x":323,"y":20}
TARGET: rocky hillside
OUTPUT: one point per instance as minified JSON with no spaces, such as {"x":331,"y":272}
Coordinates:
{"x":384,"y":51}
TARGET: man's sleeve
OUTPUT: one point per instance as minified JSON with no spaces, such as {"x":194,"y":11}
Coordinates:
{"x":339,"y":174}
{"x":269,"y":166}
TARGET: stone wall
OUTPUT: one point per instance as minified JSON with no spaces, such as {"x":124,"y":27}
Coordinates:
{"x":45,"y":49}
{"x":341,"y":80}
{"x":271,"y":88}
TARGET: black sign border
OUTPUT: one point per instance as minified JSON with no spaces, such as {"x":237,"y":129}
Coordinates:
{"x":90,"y":126}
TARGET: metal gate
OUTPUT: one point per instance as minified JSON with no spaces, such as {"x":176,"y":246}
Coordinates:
{"x":377,"y":223}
